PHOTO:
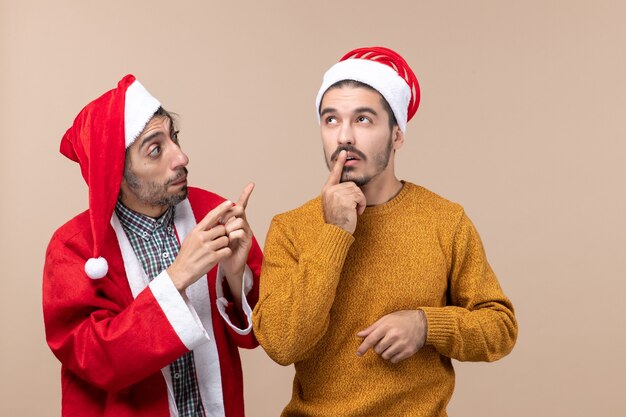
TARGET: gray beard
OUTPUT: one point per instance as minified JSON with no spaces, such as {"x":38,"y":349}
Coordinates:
{"x":155,"y":194}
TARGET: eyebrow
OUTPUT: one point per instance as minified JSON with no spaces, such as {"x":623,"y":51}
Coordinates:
{"x":366,"y":110}
{"x":149,"y":138}
{"x":357,"y":110}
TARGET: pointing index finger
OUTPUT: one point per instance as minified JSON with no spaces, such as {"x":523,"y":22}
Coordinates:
{"x":335,"y":173}
{"x":245,"y":195}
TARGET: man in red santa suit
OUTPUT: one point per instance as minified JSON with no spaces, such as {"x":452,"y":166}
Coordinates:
{"x":148,"y":294}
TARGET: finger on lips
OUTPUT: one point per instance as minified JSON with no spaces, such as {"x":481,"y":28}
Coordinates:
{"x":335,"y":173}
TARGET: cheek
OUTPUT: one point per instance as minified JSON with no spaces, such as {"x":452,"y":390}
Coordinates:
{"x":328,"y":145}
{"x":376,"y":141}
{"x":147,"y":172}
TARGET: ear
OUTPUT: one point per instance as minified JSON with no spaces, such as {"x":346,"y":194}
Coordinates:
{"x":397,"y":137}
{"x":123,"y":194}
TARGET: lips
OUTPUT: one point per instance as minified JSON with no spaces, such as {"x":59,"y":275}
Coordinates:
{"x":353,"y":153}
{"x":180,"y":181}
{"x":351,"y":159}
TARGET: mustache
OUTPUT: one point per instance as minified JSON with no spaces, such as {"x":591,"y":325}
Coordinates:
{"x":348,"y":148}
{"x":181,"y":174}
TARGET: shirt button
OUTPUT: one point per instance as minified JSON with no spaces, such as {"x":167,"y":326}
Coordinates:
{"x":177,"y":375}
{"x":165,"y":255}
{"x":144,"y":235}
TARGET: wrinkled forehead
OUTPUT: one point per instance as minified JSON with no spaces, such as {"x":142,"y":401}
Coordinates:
{"x":160,"y":119}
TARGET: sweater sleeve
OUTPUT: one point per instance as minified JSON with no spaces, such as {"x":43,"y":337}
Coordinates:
{"x":100,"y":333}
{"x":479,"y":322}
{"x":297,"y":290}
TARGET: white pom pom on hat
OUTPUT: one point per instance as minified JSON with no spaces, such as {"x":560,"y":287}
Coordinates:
{"x":97,"y":140}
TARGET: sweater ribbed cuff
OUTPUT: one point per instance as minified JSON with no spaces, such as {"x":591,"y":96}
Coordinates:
{"x":442,"y":326}
{"x":333,"y":245}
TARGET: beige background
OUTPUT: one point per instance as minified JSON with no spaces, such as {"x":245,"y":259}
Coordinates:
{"x":522,"y":121}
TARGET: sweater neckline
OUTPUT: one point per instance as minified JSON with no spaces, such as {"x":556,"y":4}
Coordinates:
{"x":389,"y":205}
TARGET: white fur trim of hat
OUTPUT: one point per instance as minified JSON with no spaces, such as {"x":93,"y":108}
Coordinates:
{"x":139,"y":108}
{"x":379,"y":76}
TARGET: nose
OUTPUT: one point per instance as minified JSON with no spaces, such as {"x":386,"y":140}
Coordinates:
{"x":179,"y":159}
{"x":346,"y":135}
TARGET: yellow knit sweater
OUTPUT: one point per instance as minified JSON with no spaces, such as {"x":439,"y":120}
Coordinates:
{"x":321,"y":285}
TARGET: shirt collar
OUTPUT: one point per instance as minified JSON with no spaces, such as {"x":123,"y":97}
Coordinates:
{"x":143,"y":225}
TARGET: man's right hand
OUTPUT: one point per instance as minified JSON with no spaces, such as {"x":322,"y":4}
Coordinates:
{"x":342,"y":202}
{"x":202,"y":249}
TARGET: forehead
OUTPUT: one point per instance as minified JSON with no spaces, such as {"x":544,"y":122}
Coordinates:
{"x":157,"y":122}
{"x":156,"y":127}
{"x":351,"y":97}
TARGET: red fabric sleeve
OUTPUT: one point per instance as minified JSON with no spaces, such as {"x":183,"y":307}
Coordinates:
{"x":237,"y":316}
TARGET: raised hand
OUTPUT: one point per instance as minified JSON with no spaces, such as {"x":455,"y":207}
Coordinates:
{"x":202,"y":249}
{"x":342,"y":202}
{"x":395,"y":336}
{"x":239,"y":237}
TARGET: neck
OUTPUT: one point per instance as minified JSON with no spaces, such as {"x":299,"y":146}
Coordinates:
{"x":379,"y":192}
{"x":147,"y":210}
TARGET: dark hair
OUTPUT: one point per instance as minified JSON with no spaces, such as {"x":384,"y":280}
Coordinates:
{"x":161,"y":112}
{"x":358,"y":84}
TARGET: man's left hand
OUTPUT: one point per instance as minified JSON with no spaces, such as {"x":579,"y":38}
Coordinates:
{"x":395,"y":336}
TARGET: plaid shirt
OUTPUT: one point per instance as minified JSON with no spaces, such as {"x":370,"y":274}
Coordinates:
{"x":155,"y":243}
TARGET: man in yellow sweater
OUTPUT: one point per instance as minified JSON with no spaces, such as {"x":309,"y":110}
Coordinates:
{"x":372,"y":288}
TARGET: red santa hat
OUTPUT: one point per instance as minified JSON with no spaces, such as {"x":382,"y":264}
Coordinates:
{"x":97,"y":141}
{"x":385,"y":71}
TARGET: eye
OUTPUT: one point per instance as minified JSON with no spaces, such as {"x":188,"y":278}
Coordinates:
{"x":363,"y":119}
{"x":331,"y":120}
{"x":174,"y":136}
{"x":155,"y":152}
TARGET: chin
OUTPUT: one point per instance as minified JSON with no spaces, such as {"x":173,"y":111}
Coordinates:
{"x":173,"y":199}
{"x":359,"y":181}
{"x":182,"y":195}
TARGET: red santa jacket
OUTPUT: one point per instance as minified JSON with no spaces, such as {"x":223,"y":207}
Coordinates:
{"x":116,"y":336}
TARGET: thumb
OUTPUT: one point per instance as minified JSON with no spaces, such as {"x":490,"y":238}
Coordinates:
{"x":361,"y":204}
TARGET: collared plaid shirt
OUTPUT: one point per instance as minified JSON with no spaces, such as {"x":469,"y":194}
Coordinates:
{"x":155,"y":243}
